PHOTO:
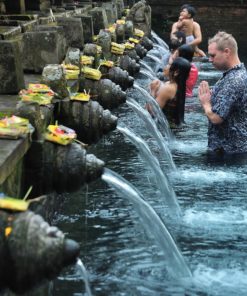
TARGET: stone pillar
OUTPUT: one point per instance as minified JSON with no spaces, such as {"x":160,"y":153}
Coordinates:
{"x":87,"y":24}
{"x":104,"y":40}
{"x":41,"y":48}
{"x":11,"y":72}
{"x":99,"y":19}
{"x":73,"y":30}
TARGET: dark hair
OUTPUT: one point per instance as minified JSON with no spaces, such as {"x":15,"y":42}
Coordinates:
{"x":180,"y":39}
{"x":186,"y":51}
{"x":191,"y":9}
{"x":182,"y":66}
{"x":179,"y":72}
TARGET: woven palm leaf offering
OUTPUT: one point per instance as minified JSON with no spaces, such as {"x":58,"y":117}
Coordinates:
{"x":86,"y":60}
{"x":117,"y":48}
{"x":71,"y":71}
{"x":14,"y":127}
{"x":37,"y":92}
{"x":80,"y":96}
{"x":91,"y":73}
{"x":134,"y":40}
{"x":60,"y":134}
{"x":139,"y":33}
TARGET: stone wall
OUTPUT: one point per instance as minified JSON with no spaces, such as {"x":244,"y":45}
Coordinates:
{"x":230,"y":16}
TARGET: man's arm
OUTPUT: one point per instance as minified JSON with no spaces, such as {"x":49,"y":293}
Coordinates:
{"x":197,"y":34}
{"x":205,"y":99}
{"x":174,"y":29}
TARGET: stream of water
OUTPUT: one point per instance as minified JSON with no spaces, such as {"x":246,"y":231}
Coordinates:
{"x":120,"y":256}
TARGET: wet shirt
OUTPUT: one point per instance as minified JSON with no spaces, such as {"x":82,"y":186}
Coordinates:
{"x":229,"y":101}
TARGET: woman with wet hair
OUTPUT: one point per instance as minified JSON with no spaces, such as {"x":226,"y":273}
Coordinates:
{"x":187,"y":51}
{"x":170,"y":95}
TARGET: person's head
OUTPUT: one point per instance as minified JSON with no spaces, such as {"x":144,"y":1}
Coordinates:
{"x":177,"y":40}
{"x":186,"y":51}
{"x":187,"y":11}
{"x":223,"y":51}
{"x":179,"y":70}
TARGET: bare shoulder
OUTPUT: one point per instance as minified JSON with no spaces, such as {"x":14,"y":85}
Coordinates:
{"x":169,"y":88}
{"x":196,"y":25}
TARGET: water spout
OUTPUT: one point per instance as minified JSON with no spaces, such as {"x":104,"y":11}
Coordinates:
{"x":153,"y":130}
{"x":158,"y":40}
{"x":147,"y":74}
{"x":84,"y":275}
{"x":147,"y":67}
{"x":162,"y":181}
{"x":154,"y":58}
{"x":160,"y":116}
{"x":176,"y":265}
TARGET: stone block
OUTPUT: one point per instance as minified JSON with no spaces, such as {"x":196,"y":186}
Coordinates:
{"x":8,"y":33}
{"x":41,"y":48}
{"x":87,"y":24}
{"x":62,"y":43}
{"x":11,"y":72}
{"x":73,"y":30}
{"x":99,"y":19}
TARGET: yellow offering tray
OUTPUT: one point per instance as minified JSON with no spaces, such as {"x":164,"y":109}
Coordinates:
{"x":84,"y":97}
{"x":86,"y":60}
{"x":39,"y":88}
{"x":117,"y":48}
{"x":129,"y":45}
{"x":13,"y":204}
{"x":138,"y":33}
{"x":60,"y":134}
{"x":120,"y":22}
{"x":91,"y":73}
{"x":134,"y":40}
{"x":40,"y":98}
{"x":107,"y":63}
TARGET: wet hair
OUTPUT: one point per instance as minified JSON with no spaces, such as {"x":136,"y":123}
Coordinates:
{"x":186,"y":51}
{"x":179,"y":69}
{"x":224,"y":40}
{"x":191,"y":9}
{"x":180,"y":39}
{"x":179,"y":72}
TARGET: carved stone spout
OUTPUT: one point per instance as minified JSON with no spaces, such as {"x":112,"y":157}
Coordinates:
{"x":104,"y":91}
{"x":31,"y":251}
{"x":51,"y":167}
{"x":119,"y":76}
{"x":128,"y":64}
{"x":88,"y":119}
{"x":140,"y":50}
{"x":147,"y":43}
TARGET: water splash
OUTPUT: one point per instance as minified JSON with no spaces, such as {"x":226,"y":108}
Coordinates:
{"x":162,"y":181}
{"x":158,"y":40}
{"x":153,"y":131}
{"x":147,"y":74}
{"x":176,"y":265}
{"x":154,"y":58}
{"x":84,"y":274}
{"x":161,"y":119}
{"x":147,"y":67}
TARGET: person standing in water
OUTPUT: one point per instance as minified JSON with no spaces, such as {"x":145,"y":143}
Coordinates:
{"x":171,"y":95}
{"x":226,"y":104}
{"x":191,"y":28}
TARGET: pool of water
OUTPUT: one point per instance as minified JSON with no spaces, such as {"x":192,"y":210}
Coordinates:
{"x":120,"y":257}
